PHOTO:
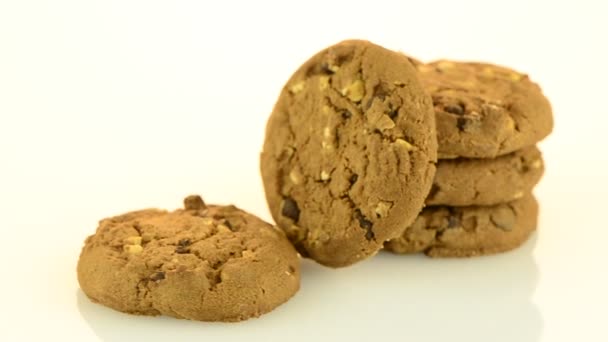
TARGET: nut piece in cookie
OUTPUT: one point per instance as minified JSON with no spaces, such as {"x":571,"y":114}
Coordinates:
{"x":203,"y":262}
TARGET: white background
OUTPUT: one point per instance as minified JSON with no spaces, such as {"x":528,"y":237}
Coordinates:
{"x":110,"y":106}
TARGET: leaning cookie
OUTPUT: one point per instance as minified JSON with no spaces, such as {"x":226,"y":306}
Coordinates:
{"x":465,"y":182}
{"x":469,"y":231}
{"x":208,"y":263}
{"x":483,"y":110}
{"x":349,"y":152}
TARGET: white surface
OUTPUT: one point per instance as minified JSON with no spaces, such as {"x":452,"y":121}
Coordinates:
{"x":111,"y":106}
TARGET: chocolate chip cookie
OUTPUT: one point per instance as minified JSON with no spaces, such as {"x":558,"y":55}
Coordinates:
{"x":465,"y":182}
{"x":469,"y":231}
{"x":209,"y":263}
{"x":483,"y":110}
{"x":349,"y":152}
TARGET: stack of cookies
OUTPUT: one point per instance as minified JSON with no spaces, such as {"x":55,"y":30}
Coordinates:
{"x":365,"y":149}
{"x":489,"y":119}
{"x":363,"y":138}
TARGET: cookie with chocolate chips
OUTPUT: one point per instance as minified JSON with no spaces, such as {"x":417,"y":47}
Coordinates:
{"x":484,"y":110}
{"x":465,"y":182}
{"x":469,"y":231}
{"x":349,"y":152}
{"x":205,"y":262}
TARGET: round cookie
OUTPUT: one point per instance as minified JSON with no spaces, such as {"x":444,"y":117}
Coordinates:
{"x":483,"y":110}
{"x":469,"y":231}
{"x":349,"y":152}
{"x":208,"y":263}
{"x":465,"y":182}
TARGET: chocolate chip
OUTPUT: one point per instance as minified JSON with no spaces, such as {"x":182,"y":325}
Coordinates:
{"x":158,"y":276}
{"x":457,"y":109}
{"x":182,"y":250}
{"x":346,"y":114}
{"x":290,"y":209}
{"x":353,"y":178}
{"x":369,"y":235}
{"x":393,"y":114}
{"x":182,"y":246}
{"x":461,"y":123}
{"x":453,"y":221}
{"x":194,"y":202}
{"x":365,"y":224}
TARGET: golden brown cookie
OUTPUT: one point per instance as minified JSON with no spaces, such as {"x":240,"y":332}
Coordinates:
{"x":465,"y":182}
{"x":349,"y":152}
{"x":484,"y":110}
{"x":208,"y":263}
{"x":469,"y":231}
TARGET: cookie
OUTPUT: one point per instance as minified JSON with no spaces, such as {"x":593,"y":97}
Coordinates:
{"x":469,"y":231}
{"x":465,"y":182}
{"x":483,"y":110}
{"x":208,"y":263}
{"x":349,"y":152}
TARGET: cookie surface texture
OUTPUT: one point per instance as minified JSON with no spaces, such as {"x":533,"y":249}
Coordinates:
{"x":484,"y":110}
{"x":465,"y":182}
{"x":469,"y":231}
{"x":209,"y":263}
{"x":349,"y":152}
